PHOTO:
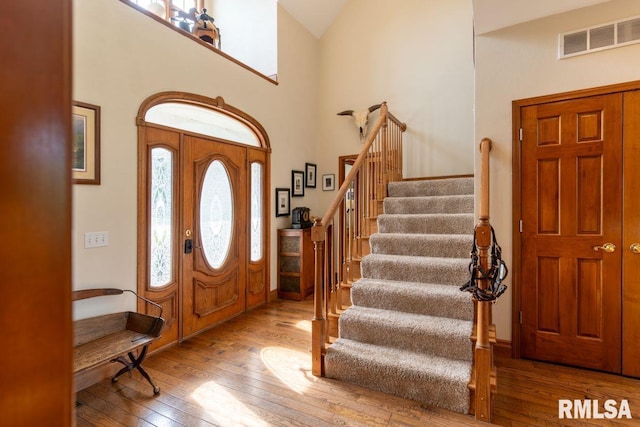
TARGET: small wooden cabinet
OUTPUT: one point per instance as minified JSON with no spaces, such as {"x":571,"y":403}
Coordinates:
{"x":295,"y":263}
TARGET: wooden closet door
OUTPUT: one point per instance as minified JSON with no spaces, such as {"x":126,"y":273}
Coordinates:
{"x":572,"y":207}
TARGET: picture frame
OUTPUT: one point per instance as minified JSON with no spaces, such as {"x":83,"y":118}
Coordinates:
{"x":310,"y":175}
{"x":85,"y":143}
{"x":297,"y":183}
{"x":283,"y":202}
{"x":328,"y":182}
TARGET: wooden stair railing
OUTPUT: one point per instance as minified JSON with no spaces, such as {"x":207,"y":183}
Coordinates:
{"x":378,"y":163}
{"x":483,"y":378}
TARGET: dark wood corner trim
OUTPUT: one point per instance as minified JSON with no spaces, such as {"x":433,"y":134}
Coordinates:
{"x":503,"y":349}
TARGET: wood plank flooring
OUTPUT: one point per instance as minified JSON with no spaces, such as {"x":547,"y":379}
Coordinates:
{"x":255,"y":370}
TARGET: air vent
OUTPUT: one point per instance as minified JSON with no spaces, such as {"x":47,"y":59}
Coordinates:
{"x":599,"y":37}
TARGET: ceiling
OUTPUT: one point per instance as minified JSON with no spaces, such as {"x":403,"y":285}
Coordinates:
{"x":489,"y":15}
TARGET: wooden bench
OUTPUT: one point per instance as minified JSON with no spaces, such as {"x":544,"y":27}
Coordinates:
{"x":108,"y":338}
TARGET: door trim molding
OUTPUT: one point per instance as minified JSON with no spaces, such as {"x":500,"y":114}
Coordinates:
{"x":217,"y":104}
{"x":516,"y":267}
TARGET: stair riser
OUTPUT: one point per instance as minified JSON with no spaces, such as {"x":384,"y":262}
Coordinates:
{"x":418,"y":224}
{"x":455,"y":275}
{"x":459,"y":308}
{"x":428,"y":205}
{"x":417,"y":245}
{"x":445,"y":187}
{"x":434,"y":391}
{"x":407,"y":338}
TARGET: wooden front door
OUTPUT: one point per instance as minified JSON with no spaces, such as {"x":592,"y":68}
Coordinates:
{"x":571,"y":189}
{"x":203,"y":241}
{"x":215,"y":218}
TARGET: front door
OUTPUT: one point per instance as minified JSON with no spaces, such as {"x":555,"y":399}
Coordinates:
{"x":215,"y":218}
{"x":203,"y":241}
{"x":571,"y":177}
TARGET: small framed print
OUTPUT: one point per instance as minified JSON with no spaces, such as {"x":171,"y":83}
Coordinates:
{"x":282,"y":202}
{"x":297,"y":183}
{"x":310,"y":175}
{"x":85,"y":144}
{"x":328,"y":182}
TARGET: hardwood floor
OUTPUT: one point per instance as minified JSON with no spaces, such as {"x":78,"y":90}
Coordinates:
{"x":255,"y":371}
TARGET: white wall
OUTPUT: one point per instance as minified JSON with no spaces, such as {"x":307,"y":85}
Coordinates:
{"x":418,"y":56}
{"x":120,"y":58}
{"x":248,"y":31}
{"x":521,"y":62}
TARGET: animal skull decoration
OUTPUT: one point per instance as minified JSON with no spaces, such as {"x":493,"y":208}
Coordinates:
{"x":361,"y":118}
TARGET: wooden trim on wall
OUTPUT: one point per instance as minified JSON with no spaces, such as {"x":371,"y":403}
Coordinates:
{"x":516,"y":267}
{"x":270,"y":79}
{"x":502,"y":348}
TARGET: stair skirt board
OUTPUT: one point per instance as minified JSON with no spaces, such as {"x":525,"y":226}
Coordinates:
{"x":408,"y":329}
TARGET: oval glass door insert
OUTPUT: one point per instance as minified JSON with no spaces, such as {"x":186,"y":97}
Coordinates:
{"x":216,"y":214}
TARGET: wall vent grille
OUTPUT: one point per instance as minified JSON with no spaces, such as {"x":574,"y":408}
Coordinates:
{"x":600,"y":37}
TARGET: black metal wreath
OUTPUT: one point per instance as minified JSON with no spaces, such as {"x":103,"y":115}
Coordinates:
{"x":496,"y":273}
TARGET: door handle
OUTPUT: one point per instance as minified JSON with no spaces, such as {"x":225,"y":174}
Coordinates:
{"x":607,"y":247}
{"x":635,"y":248}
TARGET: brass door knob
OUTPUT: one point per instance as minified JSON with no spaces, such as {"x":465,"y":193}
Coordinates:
{"x":635,"y":248}
{"x":607,"y":247}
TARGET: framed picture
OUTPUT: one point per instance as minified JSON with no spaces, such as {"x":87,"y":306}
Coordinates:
{"x":328,"y":182}
{"x":86,"y":144}
{"x":282,"y":202}
{"x":310,"y":175}
{"x":297,"y":183}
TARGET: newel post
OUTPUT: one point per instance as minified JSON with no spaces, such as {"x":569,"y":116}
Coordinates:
{"x":318,"y":324}
{"x":483,"y":352}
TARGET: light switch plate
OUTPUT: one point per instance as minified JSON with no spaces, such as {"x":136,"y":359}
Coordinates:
{"x":96,"y":239}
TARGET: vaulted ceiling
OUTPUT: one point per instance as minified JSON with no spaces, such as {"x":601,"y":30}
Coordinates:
{"x":489,"y":15}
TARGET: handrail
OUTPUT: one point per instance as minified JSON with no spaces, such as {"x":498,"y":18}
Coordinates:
{"x":386,"y":164}
{"x":333,"y":207}
{"x":483,"y":355}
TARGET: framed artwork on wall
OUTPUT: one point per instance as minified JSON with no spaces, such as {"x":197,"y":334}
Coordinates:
{"x":297,"y":183}
{"x":310,"y":175}
{"x":328,"y":182}
{"x":282,"y":202}
{"x":85,"y":160}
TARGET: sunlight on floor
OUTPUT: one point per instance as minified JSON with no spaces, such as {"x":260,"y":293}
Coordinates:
{"x":224,"y":407}
{"x":304,"y":325}
{"x":291,"y":367}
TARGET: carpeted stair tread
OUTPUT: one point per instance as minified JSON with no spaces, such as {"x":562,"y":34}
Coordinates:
{"x":460,"y":223}
{"x":411,"y":297}
{"x":425,"y":245}
{"x":431,"y":204}
{"x":446,"y":271}
{"x":438,"y":187}
{"x":440,"y":336}
{"x":424,"y":378}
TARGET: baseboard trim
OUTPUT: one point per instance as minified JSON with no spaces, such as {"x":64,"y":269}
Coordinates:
{"x":502,"y":348}
{"x":273,"y":295}
{"x":428,"y":178}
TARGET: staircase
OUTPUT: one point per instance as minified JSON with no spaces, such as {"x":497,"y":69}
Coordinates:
{"x":408,"y":330}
